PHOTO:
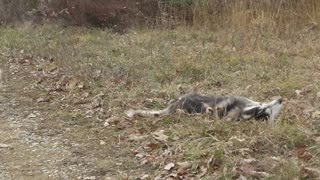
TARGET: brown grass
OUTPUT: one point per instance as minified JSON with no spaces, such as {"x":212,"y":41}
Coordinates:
{"x":278,"y":16}
{"x":282,"y":17}
{"x":146,"y":68}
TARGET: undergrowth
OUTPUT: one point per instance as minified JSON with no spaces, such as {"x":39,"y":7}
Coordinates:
{"x":147,"y":68}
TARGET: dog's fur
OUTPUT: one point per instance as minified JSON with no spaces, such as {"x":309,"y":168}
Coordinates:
{"x":227,"y":107}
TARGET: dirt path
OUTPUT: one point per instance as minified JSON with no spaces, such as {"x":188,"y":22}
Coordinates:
{"x":29,"y":155}
{"x":35,"y":143}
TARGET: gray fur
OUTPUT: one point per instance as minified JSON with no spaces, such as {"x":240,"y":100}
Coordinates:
{"x":227,"y":107}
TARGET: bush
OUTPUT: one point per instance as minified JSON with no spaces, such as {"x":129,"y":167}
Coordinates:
{"x":285,"y":15}
{"x":13,"y":10}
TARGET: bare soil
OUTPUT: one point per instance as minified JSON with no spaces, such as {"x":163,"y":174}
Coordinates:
{"x":41,"y":139}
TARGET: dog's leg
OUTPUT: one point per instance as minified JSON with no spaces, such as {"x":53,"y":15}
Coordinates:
{"x":234,"y":114}
{"x":207,"y":109}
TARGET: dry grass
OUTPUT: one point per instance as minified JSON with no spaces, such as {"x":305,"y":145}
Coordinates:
{"x":244,"y":12}
{"x":281,"y":17}
{"x":15,"y":10}
{"x":159,"y":65}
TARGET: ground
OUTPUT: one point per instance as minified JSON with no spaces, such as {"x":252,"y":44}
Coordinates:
{"x":64,"y":91}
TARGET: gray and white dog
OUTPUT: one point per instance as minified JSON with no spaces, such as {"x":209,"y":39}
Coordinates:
{"x":231,"y":108}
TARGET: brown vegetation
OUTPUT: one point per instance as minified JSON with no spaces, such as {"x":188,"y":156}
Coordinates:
{"x":284,"y":15}
{"x":114,"y":14}
{"x":66,"y":88}
{"x":80,"y":80}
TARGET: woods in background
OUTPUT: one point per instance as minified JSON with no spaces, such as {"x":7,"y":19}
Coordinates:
{"x":274,"y":14}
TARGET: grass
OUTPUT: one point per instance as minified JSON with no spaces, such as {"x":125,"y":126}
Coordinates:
{"x":278,"y":16}
{"x":146,"y":68}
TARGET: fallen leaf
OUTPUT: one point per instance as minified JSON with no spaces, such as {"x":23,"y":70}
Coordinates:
{"x":97,"y":74}
{"x":90,"y":178}
{"x":236,"y":139}
{"x":106,"y":124}
{"x":182,"y":172}
{"x":169,"y":166}
{"x":184,"y":165}
{"x":52,"y":68}
{"x":121,"y":126}
{"x":4,"y":145}
{"x":31,"y":115}
{"x":303,"y":91}
{"x":180,"y":112}
{"x":316,"y":114}
{"x":218,"y":84}
{"x":203,"y":171}
{"x":317,"y":139}
{"x":152,"y":146}
{"x":249,"y":170}
{"x":41,"y":100}
{"x":112,"y":120}
{"x":303,"y":154}
{"x":298,"y":92}
{"x":241,"y":178}
{"x":248,"y":161}
{"x":81,"y":85}
{"x":260,"y":174}
{"x":160,"y":136}
{"x":102,"y":142}
{"x":318,"y":94}
{"x":146,"y":176}
{"x":139,"y":155}
{"x":72,"y":84}
{"x":313,"y":172}
{"x":96,"y":103}
{"x":136,"y":137}
{"x":172,"y":176}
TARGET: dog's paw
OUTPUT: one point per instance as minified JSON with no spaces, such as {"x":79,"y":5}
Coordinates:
{"x":180,"y":111}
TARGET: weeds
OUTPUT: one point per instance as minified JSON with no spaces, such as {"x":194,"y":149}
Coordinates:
{"x":147,"y":68}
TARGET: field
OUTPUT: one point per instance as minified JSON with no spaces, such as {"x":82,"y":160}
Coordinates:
{"x":64,"y":91}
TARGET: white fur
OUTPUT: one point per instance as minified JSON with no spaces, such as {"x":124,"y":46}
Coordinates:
{"x":130,"y":113}
{"x":272,"y":109}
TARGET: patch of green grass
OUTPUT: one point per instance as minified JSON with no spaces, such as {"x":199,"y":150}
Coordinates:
{"x":286,"y":170}
{"x":290,"y":136}
{"x":149,"y":64}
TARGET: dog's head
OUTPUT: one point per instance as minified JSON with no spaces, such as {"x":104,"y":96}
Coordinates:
{"x":265,"y":111}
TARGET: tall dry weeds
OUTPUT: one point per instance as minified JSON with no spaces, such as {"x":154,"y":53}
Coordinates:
{"x":278,"y":14}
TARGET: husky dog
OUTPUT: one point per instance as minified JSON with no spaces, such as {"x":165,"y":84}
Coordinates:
{"x":231,"y":108}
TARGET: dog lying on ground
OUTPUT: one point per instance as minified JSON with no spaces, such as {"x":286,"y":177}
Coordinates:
{"x":231,"y":108}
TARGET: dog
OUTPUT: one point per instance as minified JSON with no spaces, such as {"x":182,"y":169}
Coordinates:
{"x":231,"y":108}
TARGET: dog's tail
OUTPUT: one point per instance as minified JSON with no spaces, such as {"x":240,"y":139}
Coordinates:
{"x":131,"y":113}
{"x":168,"y":110}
